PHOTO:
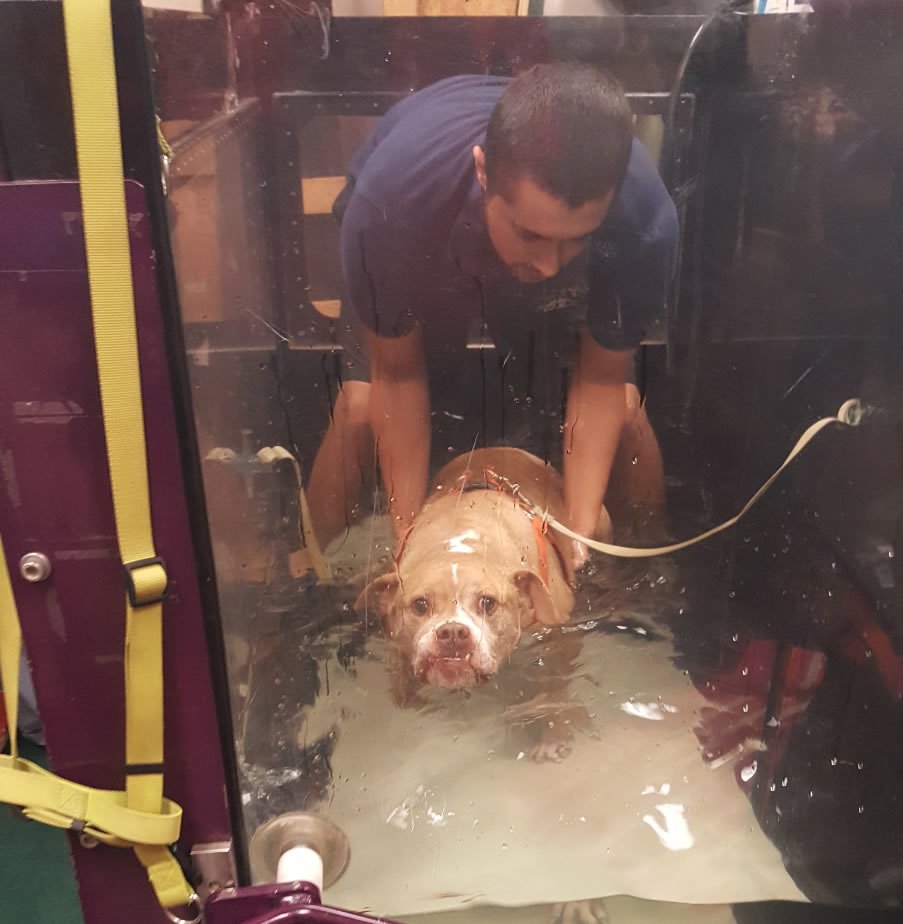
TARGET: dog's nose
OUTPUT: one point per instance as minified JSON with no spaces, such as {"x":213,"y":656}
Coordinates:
{"x":452,"y":635}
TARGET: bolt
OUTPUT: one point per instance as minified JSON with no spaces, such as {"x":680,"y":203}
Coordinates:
{"x":34,"y":567}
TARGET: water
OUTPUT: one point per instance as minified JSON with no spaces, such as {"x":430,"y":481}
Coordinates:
{"x":445,"y":810}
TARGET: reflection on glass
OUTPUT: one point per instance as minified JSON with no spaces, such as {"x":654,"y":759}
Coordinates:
{"x":421,"y":323}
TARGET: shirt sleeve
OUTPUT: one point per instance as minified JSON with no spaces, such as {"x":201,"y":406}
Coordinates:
{"x":384,"y":264}
{"x":629,"y":277}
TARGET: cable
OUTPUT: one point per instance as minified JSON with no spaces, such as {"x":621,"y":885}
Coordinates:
{"x":731,"y":6}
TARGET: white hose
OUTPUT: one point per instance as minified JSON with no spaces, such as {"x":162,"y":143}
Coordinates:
{"x":850,"y":415}
{"x":300,"y":864}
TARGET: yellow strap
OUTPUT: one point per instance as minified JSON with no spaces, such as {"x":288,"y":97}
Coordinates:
{"x":140,"y":816}
{"x":89,"y":42}
{"x":104,"y":814}
{"x":47,"y":798}
{"x":850,"y":414}
{"x":10,"y":655}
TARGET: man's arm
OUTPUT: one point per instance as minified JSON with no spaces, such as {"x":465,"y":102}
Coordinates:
{"x":400,"y":418}
{"x":596,"y":411}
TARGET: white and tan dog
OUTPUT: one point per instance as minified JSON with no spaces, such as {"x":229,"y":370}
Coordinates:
{"x":474,"y":572}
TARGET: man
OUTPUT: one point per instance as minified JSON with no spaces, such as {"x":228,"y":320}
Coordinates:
{"x":490,"y":200}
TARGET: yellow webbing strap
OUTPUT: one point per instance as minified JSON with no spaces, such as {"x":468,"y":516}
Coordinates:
{"x":44,"y":797}
{"x":139,"y":817}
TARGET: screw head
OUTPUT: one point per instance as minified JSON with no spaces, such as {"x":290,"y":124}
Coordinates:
{"x":34,"y":567}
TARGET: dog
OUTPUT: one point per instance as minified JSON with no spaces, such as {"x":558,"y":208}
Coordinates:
{"x":477,"y":570}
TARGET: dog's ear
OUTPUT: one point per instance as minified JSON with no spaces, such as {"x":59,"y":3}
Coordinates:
{"x":379,"y":597}
{"x":540,"y":599}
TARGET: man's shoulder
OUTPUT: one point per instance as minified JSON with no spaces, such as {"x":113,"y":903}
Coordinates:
{"x":643,"y":213}
{"x":420,"y":157}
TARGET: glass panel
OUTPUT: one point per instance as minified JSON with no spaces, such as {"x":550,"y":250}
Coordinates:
{"x":707,"y":730}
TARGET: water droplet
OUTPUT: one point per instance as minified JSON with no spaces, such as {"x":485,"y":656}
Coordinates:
{"x":732,"y":595}
{"x":745,"y":672}
{"x":833,"y":761}
{"x":861,"y":809}
{"x":860,"y":765}
{"x":634,"y":460}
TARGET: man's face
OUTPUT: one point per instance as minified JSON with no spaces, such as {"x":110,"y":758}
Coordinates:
{"x":535,"y":234}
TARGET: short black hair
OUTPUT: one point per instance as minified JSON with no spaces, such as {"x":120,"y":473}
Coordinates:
{"x":567,"y":127}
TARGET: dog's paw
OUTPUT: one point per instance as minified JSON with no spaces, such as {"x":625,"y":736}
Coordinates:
{"x":591,"y":911}
{"x":550,"y":751}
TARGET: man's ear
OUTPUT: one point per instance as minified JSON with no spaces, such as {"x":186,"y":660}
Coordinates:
{"x":479,"y":162}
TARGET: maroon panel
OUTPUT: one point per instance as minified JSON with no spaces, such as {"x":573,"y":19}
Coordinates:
{"x":55,"y":499}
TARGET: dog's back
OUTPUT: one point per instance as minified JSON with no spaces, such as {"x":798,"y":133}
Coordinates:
{"x":505,"y":466}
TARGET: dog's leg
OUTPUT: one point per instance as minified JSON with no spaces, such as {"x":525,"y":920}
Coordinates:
{"x":555,"y":724}
{"x":555,"y":743}
{"x":402,"y":682}
{"x":591,"y":911}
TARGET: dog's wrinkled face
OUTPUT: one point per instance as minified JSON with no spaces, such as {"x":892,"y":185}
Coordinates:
{"x":458,"y":629}
{"x":456,"y":625}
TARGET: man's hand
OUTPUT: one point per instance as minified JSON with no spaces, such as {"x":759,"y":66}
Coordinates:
{"x":400,"y":418}
{"x":596,"y":412}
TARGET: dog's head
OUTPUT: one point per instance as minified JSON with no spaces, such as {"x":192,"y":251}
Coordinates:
{"x":456,"y":622}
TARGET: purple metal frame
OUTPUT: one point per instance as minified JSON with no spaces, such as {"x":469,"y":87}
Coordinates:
{"x":288,"y":903}
{"x":56,"y":499}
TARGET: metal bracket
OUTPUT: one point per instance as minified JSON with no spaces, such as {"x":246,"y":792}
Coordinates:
{"x":215,"y":865}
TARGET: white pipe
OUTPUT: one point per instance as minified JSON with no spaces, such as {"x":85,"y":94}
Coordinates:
{"x":300,"y":864}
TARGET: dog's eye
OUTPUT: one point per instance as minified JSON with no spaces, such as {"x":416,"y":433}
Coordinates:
{"x":488,"y":604}
{"x":420,"y":605}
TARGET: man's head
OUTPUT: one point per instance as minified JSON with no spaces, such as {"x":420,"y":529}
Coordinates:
{"x":556,"y":151}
